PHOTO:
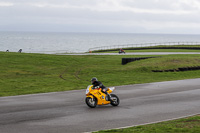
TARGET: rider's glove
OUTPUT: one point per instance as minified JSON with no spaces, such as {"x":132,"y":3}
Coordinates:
{"x":95,"y":87}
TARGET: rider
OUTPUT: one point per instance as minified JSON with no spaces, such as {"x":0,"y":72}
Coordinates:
{"x":121,"y":51}
{"x":98,"y":84}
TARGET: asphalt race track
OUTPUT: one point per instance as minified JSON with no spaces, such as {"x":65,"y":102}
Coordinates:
{"x":66,"y":112}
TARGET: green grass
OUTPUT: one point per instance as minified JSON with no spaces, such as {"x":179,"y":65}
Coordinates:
{"x":22,"y":73}
{"x":184,"y":125}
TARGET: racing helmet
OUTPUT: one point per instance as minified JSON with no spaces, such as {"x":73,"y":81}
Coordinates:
{"x":93,"y":79}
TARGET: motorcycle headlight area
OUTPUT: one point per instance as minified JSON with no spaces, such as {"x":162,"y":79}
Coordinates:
{"x":87,"y":90}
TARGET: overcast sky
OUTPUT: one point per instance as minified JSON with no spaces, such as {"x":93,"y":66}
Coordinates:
{"x":122,"y":16}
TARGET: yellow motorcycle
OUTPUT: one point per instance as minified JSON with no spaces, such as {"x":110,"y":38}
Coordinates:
{"x":96,"y":97}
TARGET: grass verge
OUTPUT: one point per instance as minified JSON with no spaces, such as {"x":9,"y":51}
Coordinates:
{"x":22,"y":73}
{"x":184,"y":125}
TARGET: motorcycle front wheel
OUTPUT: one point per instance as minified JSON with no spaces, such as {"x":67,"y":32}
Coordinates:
{"x":114,"y":100}
{"x":91,"y":102}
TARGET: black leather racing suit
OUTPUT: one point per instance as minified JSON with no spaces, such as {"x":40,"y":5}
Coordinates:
{"x":98,"y":83}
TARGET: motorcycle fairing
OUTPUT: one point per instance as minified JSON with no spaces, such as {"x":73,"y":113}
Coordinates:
{"x":100,"y":96}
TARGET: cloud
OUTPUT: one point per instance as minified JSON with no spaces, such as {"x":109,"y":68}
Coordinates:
{"x":147,"y":15}
{"x":6,"y":4}
{"x":142,"y":6}
{"x":119,"y":5}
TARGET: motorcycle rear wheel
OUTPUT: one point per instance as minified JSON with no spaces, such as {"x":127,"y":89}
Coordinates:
{"x":115,"y":101}
{"x":92,"y":103}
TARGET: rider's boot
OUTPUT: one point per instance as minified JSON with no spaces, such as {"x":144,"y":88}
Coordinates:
{"x":108,"y":95}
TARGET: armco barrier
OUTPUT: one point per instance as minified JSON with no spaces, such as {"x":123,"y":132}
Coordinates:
{"x":179,"y":69}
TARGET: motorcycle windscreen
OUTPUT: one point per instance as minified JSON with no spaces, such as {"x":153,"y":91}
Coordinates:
{"x":88,"y":89}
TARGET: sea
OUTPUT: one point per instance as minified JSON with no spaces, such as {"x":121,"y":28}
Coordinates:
{"x":60,"y":42}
